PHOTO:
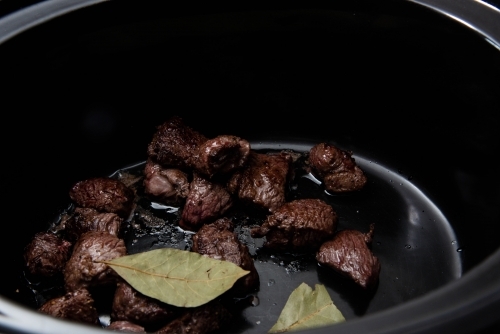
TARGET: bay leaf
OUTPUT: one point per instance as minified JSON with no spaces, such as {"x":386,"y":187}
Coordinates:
{"x":177,"y":277}
{"x":307,"y":308}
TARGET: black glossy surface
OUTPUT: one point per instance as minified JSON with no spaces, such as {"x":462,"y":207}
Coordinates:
{"x":400,"y":86}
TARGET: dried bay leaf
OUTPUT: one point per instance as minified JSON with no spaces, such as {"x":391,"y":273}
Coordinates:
{"x":307,"y":309}
{"x":177,"y":277}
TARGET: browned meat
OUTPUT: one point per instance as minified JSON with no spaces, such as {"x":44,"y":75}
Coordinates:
{"x":263,"y":182}
{"x":77,"y":305}
{"x":104,"y":194}
{"x":348,"y":253}
{"x":222,"y":154}
{"x":203,"y":319}
{"x":46,"y":254}
{"x":125,"y":326}
{"x":87,"y":219}
{"x":206,"y":202}
{"x":83,"y":269}
{"x":218,"y":241}
{"x":176,"y":145}
{"x":336,"y":168}
{"x":302,"y":224}
{"x":131,"y":305}
{"x":167,"y":185}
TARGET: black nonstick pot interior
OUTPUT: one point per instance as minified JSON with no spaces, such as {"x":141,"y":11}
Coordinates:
{"x":412,"y":93}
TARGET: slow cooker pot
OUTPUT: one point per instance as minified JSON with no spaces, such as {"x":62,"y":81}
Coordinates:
{"x":410,"y":87}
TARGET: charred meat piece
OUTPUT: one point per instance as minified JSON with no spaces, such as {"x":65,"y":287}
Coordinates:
{"x":203,"y":319}
{"x":83,"y":269}
{"x":218,"y":241}
{"x":131,"y":305}
{"x":206,"y":202}
{"x":176,"y":145}
{"x":167,"y":185}
{"x":222,"y":154}
{"x":125,"y":326}
{"x":263,"y":182}
{"x":104,"y":194}
{"x":77,"y":305}
{"x":302,"y":224}
{"x":336,"y":168}
{"x":349,"y":254}
{"x":46,"y":254}
{"x":87,"y":219}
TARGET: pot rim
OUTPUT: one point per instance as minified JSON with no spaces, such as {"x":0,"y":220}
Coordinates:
{"x":465,"y":305}
{"x":476,"y":15}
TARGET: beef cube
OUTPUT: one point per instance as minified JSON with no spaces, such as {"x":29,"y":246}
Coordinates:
{"x":87,"y":219}
{"x":131,"y":305}
{"x":83,"y":269}
{"x":218,"y":241}
{"x":175,"y":144}
{"x":46,"y":255}
{"x":206,"y":201}
{"x":336,"y":168}
{"x":222,"y":155}
{"x":348,"y":253}
{"x":77,"y":305}
{"x":125,"y":326}
{"x":204,"y":319}
{"x":263,"y":182}
{"x":302,"y":224}
{"x":104,"y":194}
{"x":167,"y":185}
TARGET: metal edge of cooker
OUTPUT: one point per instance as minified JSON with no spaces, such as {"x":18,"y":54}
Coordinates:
{"x":467,"y":305}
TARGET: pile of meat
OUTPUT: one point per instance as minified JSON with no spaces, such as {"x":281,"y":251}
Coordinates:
{"x":204,"y":177}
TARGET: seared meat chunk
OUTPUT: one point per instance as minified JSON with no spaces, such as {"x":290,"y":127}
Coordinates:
{"x":302,"y":224}
{"x":336,"y":168}
{"x":206,"y":201}
{"x":46,"y":254}
{"x":176,"y":145}
{"x":203,"y":319}
{"x":349,"y":254}
{"x":131,"y":305}
{"x":104,"y":194}
{"x":222,"y":154}
{"x":167,"y":185}
{"x":263,"y":182}
{"x":125,"y":326}
{"x":83,"y":269}
{"x":218,"y":241}
{"x":77,"y":305}
{"x":87,"y":219}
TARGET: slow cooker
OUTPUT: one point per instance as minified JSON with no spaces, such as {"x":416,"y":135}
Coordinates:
{"x":411,"y":88}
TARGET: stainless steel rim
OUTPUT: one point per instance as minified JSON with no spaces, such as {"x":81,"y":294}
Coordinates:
{"x":477,"y":15}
